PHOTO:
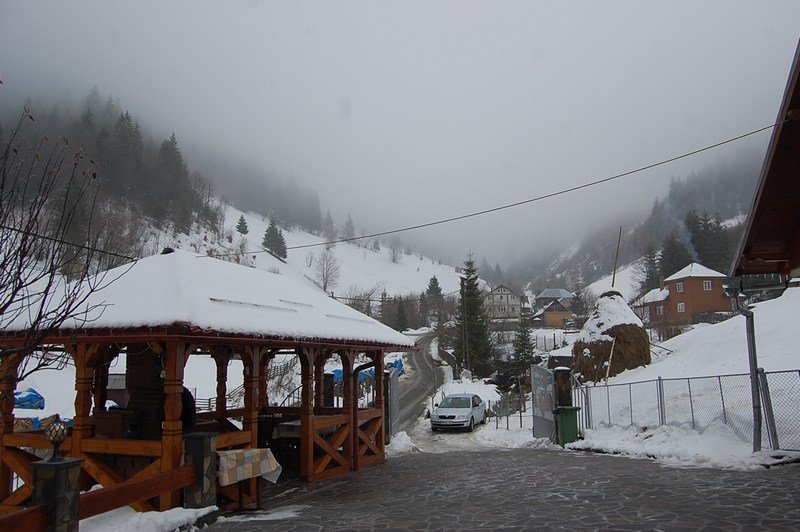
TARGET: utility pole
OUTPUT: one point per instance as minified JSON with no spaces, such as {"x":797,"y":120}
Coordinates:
{"x":465,"y":327}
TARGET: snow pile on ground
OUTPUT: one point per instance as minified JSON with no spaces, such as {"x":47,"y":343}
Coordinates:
{"x":127,"y":519}
{"x":717,"y":446}
{"x":609,"y":312}
{"x":401,"y":444}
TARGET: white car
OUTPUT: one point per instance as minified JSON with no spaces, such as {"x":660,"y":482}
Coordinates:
{"x":458,"y":411}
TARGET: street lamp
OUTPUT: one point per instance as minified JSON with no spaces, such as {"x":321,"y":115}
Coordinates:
{"x":56,"y":433}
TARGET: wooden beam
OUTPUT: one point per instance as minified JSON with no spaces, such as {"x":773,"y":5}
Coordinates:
{"x":122,"y":447}
{"x":20,"y":463}
{"x":20,"y":495}
{"x":108,"y":477}
{"x":133,"y":492}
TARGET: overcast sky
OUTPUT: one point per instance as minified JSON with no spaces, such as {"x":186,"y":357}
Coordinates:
{"x":405,"y":112}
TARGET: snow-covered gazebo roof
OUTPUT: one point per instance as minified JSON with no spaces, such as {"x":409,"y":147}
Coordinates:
{"x":207,"y":296}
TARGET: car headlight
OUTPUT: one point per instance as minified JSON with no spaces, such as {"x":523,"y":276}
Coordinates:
{"x":435,"y":417}
{"x":462,"y":417}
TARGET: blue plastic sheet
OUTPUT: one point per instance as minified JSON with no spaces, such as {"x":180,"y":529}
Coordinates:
{"x":29,"y":398}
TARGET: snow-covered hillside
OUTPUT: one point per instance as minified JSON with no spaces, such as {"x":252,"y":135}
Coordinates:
{"x":626,"y":282}
{"x":360,"y":267}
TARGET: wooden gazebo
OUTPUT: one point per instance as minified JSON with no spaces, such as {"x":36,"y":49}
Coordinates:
{"x":161,"y":311}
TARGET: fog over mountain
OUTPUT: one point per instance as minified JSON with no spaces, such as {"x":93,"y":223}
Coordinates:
{"x":403,"y":113}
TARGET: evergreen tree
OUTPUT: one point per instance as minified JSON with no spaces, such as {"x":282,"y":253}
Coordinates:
{"x":472,"y":324}
{"x":241,"y":226}
{"x":329,"y":229}
{"x":578,"y":301}
{"x":424,"y":308}
{"x":523,"y":350}
{"x":273,"y":239}
{"x":280,"y":246}
{"x":647,"y":270}
{"x":401,"y":317}
{"x":435,"y":296}
{"x":348,"y":231}
{"x":674,"y":255}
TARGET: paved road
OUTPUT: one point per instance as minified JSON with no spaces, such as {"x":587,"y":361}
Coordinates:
{"x":527,"y":488}
{"x":426,"y":371}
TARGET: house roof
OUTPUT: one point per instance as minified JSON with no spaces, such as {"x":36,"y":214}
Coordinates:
{"x":771,"y":241}
{"x":555,"y":293}
{"x":653,"y":296}
{"x":210,"y":295}
{"x":694,"y":270}
{"x":498,"y":287}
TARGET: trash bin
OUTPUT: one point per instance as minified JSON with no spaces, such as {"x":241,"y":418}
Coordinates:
{"x":566,"y":424}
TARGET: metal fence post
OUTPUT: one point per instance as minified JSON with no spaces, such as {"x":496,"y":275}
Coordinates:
{"x":662,"y":411}
{"x":588,"y":400}
{"x":769,"y":415}
{"x":630,"y":402}
{"x":608,"y":403}
{"x":691,"y":402}
{"x":722,"y":398}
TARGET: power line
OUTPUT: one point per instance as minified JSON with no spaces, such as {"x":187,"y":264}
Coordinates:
{"x":59,"y":241}
{"x":530,"y":200}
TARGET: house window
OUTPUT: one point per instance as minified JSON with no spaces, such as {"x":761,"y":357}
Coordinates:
{"x":679,"y":287}
{"x":681,"y":307}
{"x":706,"y":285}
{"x":660,"y":310}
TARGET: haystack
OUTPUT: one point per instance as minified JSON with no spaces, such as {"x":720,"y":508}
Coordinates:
{"x":612,"y":322}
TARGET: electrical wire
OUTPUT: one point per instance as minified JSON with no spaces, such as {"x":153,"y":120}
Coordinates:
{"x":529,"y":200}
{"x":59,"y":241}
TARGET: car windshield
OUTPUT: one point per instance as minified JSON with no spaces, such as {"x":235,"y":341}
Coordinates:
{"x":455,"y":402}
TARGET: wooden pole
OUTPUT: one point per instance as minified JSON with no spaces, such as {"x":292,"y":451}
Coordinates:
{"x":221,"y":357}
{"x":347,"y":358}
{"x":307,"y":356}
{"x":616,"y":257}
{"x":174,"y":359}
{"x":380,"y":437}
{"x":8,"y":384}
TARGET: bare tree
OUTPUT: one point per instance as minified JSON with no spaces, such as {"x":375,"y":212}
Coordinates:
{"x":396,"y":245}
{"x":327,"y":269}
{"x":51,"y":257}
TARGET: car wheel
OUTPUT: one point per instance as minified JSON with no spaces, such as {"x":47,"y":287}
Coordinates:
{"x":471,"y":424}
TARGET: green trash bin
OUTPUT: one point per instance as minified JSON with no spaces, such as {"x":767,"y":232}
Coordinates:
{"x":566,"y":424}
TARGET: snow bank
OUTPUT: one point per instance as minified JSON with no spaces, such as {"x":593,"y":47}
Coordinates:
{"x":401,"y":444}
{"x":717,"y":446}
{"x":126,"y":519}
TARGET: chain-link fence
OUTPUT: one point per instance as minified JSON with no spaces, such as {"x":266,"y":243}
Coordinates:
{"x":700,"y":402}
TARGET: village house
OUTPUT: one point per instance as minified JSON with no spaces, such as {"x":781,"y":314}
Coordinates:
{"x":554,"y":314}
{"x":691,"y":295}
{"x":549,"y":295}
{"x":502,"y":302}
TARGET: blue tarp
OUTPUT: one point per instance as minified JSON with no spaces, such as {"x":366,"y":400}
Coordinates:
{"x":29,"y":398}
{"x":337,"y":374}
{"x":398,"y":364}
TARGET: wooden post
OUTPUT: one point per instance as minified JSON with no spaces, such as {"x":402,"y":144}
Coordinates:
{"x":174,"y":359}
{"x":307,"y":356}
{"x":100,"y":387}
{"x":84,"y":356}
{"x":319,"y":382}
{"x":251,"y":363}
{"x":8,"y":384}
{"x":380,"y":437}
{"x":347,"y":402}
{"x":221,"y":357}
{"x":266,"y":356}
